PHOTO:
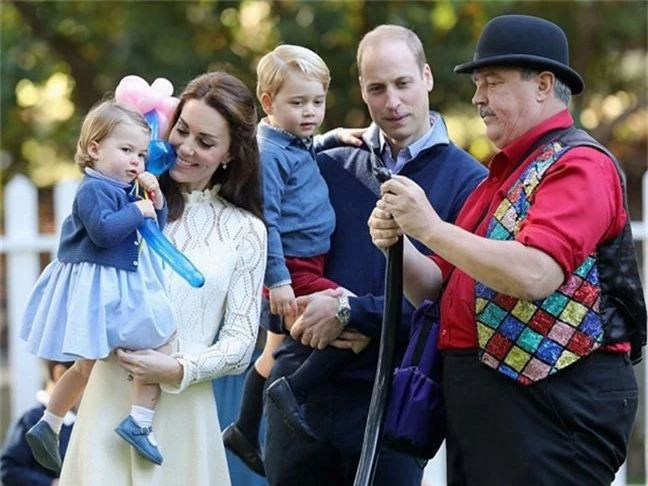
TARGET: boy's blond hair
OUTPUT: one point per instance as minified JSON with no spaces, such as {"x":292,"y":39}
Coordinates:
{"x":273,"y":68}
{"x":99,"y":123}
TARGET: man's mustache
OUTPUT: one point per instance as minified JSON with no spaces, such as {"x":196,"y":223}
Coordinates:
{"x":485,"y":111}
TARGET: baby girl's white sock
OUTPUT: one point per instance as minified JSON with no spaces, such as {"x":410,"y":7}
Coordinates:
{"x":54,"y":421}
{"x":144,"y":418}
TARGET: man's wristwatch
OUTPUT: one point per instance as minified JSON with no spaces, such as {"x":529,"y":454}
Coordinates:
{"x":343,"y":311}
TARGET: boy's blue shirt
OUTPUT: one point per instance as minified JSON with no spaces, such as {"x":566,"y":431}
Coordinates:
{"x":103,"y":225}
{"x":297,"y":210}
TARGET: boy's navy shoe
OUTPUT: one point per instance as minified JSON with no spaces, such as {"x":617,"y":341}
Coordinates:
{"x":138,"y":437}
{"x":44,"y":444}
{"x":281,"y":396}
{"x":236,"y":442}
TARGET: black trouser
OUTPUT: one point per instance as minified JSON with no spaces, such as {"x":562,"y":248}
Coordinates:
{"x":569,"y":429}
{"x":337,"y":414}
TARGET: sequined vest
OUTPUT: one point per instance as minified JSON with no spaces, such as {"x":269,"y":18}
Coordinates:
{"x":600,"y":302}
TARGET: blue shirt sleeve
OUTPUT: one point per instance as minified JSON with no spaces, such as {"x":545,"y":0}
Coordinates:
{"x":162,"y":216}
{"x":367,"y":316}
{"x":276,"y":171}
{"x":107,"y":224}
{"x":326,"y":140}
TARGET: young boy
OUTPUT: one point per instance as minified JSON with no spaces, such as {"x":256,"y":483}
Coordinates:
{"x":292,"y":83}
{"x":18,"y":467}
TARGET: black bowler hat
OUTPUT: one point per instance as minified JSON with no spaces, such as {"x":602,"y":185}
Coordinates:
{"x":526,"y":42}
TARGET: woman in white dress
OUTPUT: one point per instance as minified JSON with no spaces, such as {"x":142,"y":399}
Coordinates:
{"x":214,"y":197}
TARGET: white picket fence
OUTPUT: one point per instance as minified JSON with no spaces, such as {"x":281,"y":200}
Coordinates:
{"x":22,"y":244}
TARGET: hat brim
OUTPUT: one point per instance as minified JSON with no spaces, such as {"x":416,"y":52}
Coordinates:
{"x":564,"y":73}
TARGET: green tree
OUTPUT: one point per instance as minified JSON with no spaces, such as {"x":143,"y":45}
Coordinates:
{"x":61,"y":57}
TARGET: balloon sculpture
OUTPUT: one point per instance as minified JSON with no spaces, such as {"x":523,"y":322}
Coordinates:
{"x":176,"y":260}
{"x":157,"y":105}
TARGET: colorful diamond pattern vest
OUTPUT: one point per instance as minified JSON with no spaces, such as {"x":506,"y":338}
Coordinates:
{"x":530,"y":340}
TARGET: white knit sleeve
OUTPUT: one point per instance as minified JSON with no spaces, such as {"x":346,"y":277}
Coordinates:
{"x":232,"y":351}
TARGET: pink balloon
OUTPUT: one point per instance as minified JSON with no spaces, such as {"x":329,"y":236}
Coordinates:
{"x":129,"y":88}
{"x":135,"y":92}
{"x":167,"y":106}
{"x":162,"y":88}
{"x":132,"y":82}
{"x":146,"y":102}
{"x":163,"y":123}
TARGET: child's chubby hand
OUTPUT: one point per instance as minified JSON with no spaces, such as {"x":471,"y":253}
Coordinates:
{"x":282,"y":301}
{"x":350,"y":136}
{"x":151,"y":185}
{"x":146,"y":208}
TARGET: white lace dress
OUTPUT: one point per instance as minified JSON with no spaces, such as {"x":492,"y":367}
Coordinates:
{"x":228,"y":245}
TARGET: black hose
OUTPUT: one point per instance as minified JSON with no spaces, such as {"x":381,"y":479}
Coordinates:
{"x":385,"y":368}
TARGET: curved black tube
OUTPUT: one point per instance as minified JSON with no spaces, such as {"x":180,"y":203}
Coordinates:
{"x":385,"y":368}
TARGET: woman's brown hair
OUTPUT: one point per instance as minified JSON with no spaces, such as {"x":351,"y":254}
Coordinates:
{"x":241,"y":180}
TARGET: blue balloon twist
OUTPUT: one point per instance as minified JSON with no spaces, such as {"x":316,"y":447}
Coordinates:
{"x":170,"y":254}
{"x":161,"y":155}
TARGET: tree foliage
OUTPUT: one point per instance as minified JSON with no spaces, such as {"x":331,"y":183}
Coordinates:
{"x":69,"y":54}
{"x":60,"y":57}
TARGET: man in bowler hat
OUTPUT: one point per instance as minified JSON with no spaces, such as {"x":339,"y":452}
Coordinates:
{"x":542,"y":311}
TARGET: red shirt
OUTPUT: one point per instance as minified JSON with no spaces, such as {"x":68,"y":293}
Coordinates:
{"x":577,"y":206}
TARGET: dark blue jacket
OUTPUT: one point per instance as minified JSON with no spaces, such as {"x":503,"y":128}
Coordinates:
{"x":103,"y":225}
{"x":446,"y":173}
{"x":17,"y":464}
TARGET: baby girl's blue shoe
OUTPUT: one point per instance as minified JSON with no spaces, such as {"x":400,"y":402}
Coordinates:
{"x":138,"y":437}
{"x":44,"y":444}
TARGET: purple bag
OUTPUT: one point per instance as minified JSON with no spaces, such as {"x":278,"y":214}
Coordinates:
{"x":415,"y":417}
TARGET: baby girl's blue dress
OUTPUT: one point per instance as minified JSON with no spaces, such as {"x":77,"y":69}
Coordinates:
{"x":85,"y":310}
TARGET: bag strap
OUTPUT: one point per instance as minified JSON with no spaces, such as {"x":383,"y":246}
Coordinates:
{"x":550,"y":136}
{"x":430,"y":319}
{"x":422,"y":339}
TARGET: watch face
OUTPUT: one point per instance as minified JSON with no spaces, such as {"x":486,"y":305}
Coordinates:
{"x":344,"y":311}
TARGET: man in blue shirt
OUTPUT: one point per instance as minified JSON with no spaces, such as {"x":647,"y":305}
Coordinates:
{"x":411,"y":140}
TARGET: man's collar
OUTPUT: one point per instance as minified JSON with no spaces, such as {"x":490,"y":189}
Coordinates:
{"x":519,"y":147}
{"x":436,"y":135}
